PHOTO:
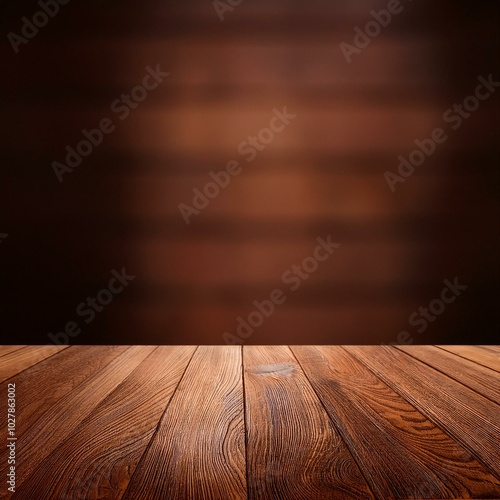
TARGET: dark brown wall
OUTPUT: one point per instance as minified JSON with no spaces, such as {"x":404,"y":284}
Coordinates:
{"x":323,"y":175}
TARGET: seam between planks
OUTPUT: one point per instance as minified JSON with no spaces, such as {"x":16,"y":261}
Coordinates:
{"x":488,"y":348}
{"x":38,"y":362}
{"x":463,"y":357}
{"x":245,"y":419}
{"x":422,"y":410}
{"x":15,"y":350}
{"x":127,"y":377}
{"x":341,"y":435}
{"x":148,"y":446}
{"x":451,"y":376}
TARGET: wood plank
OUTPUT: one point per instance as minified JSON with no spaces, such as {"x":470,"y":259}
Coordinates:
{"x":293,"y":450}
{"x":7,"y":349}
{"x":98,"y":459}
{"x":20,"y":359}
{"x":41,"y":386}
{"x":375,"y":415}
{"x":479,"y":378}
{"x":198,"y":451}
{"x":422,"y":462}
{"x":493,"y":348}
{"x":46,"y":431}
{"x":471,"y":419}
{"x":480,"y":356}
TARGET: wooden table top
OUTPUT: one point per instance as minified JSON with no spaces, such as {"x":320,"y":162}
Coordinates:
{"x":267,"y":422}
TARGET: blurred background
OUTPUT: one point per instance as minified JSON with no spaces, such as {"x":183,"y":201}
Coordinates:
{"x":322,"y":175}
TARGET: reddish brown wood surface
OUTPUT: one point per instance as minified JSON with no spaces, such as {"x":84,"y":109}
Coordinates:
{"x":255,"y":422}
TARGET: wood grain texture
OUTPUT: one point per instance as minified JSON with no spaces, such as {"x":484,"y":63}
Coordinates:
{"x":483,"y":380}
{"x":423,"y":461}
{"x":7,"y":349}
{"x":293,"y":450}
{"x":198,"y":451}
{"x":47,"y":429}
{"x":111,"y":440}
{"x":481,"y":356}
{"x":471,"y":419}
{"x":493,"y":348}
{"x":20,"y":359}
{"x":217,"y":422}
{"x":41,"y":386}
